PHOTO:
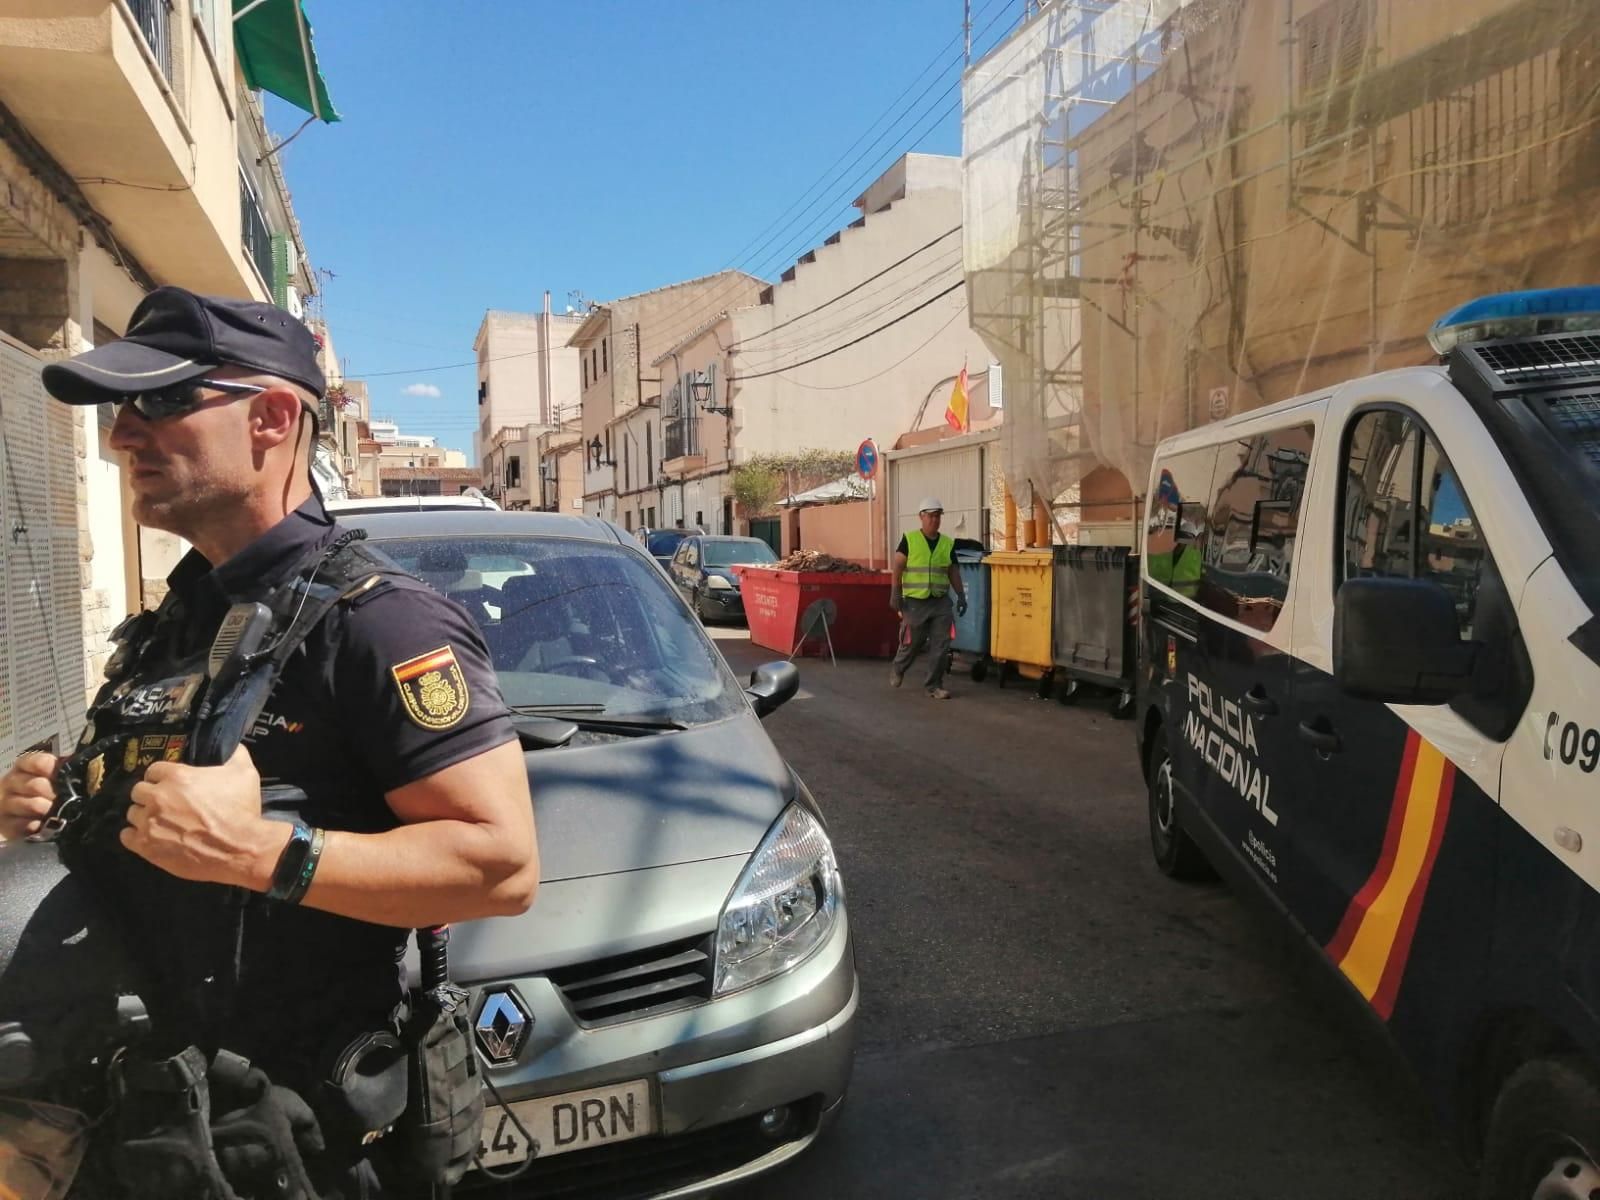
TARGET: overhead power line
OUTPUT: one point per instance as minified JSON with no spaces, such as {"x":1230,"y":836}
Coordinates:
{"x":697,"y":314}
{"x":939,"y":274}
{"x":854,"y":383}
{"x":742,"y":378}
{"x":835,"y":299}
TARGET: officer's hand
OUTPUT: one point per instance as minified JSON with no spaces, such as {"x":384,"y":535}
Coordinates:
{"x":26,"y":795}
{"x":205,"y":823}
{"x":961,"y":606}
{"x":897,"y":604}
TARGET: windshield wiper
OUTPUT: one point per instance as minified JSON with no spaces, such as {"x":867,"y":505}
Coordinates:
{"x":590,"y":716}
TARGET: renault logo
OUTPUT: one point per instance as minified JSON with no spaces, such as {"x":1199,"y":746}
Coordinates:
{"x":502,"y":1027}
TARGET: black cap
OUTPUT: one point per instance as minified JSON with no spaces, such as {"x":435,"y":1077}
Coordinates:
{"x":176,"y":335}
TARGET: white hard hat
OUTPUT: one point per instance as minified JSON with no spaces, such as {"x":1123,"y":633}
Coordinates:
{"x":930,"y":504}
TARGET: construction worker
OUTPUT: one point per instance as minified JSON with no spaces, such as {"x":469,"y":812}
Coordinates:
{"x":924,"y":575}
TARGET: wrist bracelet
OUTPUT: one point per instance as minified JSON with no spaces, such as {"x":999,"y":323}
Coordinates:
{"x":287,"y":872}
{"x":308,"y":868}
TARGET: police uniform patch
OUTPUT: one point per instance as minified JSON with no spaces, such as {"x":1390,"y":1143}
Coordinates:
{"x":433,"y":688}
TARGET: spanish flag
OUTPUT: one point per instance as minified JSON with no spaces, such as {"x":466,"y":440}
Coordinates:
{"x":955,"y":415}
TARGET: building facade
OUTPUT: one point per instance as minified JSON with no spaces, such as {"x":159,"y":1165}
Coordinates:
{"x":527,"y":373}
{"x":863,"y":337}
{"x":132,"y":154}
{"x":617,"y":345}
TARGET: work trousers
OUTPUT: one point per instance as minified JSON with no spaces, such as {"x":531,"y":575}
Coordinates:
{"x":925,"y":623}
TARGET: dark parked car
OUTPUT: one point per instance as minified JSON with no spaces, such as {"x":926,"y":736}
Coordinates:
{"x":664,"y":543}
{"x":703,"y":570}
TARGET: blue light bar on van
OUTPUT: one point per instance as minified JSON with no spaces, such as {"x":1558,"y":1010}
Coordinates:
{"x":1517,"y":314}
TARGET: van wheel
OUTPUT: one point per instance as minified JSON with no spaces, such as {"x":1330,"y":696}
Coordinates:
{"x":1176,"y":855}
{"x":1544,"y":1134}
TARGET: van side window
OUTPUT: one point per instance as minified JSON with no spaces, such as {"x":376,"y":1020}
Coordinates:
{"x":1254,"y":523}
{"x":1175,"y":532}
{"x":1406,"y":514}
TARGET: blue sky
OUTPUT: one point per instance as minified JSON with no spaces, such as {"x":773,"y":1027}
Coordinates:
{"x":490,"y":149}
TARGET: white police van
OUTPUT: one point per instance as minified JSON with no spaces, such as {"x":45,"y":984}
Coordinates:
{"x":1369,"y":690}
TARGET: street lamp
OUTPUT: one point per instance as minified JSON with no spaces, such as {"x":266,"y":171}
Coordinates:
{"x":701,"y":387}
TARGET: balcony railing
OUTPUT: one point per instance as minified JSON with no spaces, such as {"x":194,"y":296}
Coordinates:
{"x":155,"y":22}
{"x":257,"y":233}
{"x":680,"y":437}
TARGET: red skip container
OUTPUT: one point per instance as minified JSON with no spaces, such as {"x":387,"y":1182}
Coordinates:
{"x":862,"y":625}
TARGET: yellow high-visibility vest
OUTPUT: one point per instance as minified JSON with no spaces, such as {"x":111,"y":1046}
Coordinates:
{"x":927,"y":573}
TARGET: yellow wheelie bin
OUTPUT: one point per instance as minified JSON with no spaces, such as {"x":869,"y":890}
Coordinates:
{"x":1020,"y":614}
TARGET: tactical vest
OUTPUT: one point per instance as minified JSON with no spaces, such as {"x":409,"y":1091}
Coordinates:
{"x":411,"y":1084}
{"x":927,"y":571}
{"x":169,"y":695}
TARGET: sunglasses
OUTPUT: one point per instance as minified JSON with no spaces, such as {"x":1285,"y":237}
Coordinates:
{"x":180,"y":399}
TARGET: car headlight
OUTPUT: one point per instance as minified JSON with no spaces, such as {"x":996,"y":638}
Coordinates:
{"x":783,"y":907}
{"x":717,"y":583}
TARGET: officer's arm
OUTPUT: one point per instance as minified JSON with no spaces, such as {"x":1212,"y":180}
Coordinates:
{"x":894,"y":587}
{"x":465,"y":850}
{"x":453,"y":773}
{"x":955,"y":582}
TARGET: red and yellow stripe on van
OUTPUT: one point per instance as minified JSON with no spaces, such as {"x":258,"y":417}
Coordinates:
{"x":1374,"y":939}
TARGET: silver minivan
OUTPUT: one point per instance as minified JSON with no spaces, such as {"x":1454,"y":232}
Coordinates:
{"x":677,"y":1010}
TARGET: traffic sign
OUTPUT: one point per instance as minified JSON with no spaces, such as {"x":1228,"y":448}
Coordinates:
{"x":867,"y":459}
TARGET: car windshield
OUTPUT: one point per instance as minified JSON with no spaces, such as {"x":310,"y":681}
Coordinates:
{"x":579,"y":625}
{"x":727,"y":553}
{"x":662,"y":545}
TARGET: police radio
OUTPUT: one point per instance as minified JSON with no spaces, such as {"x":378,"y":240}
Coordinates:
{"x":229,"y":707}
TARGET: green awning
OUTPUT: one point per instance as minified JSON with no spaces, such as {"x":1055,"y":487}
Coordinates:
{"x":273,"y":41}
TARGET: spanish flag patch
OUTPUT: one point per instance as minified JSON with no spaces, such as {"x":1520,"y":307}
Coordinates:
{"x":433,"y":688}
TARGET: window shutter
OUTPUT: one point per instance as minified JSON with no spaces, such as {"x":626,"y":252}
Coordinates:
{"x":42,"y":685}
{"x":280,"y":269}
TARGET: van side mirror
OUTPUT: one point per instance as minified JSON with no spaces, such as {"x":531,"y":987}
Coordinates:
{"x":772,"y":685}
{"x":1396,"y":641}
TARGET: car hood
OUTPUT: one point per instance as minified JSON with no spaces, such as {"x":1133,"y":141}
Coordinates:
{"x":657,"y":800}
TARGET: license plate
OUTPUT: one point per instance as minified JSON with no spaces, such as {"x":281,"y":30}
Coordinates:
{"x":572,"y":1121}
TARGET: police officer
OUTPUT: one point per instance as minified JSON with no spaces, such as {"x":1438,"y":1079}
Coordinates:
{"x":381,"y":788}
{"x":924,"y":575}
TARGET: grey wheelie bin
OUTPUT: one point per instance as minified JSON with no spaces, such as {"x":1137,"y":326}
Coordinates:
{"x":1092,"y":640}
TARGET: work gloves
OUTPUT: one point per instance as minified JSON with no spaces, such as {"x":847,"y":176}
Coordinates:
{"x":961,"y":606}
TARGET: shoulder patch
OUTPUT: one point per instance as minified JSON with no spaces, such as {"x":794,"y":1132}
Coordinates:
{"x":433,"y":688}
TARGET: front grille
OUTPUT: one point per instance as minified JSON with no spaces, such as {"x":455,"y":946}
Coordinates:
{"x":647,"y":1167}
{"x":1547,"y":360}
{"x":644,"y":983}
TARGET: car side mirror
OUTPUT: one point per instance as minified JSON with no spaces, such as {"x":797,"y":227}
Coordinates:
{"x":772,"y":685}
{"x":1396,"y":641}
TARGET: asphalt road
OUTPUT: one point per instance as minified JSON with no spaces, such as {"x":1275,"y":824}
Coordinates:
{"x":1043,"y":1013}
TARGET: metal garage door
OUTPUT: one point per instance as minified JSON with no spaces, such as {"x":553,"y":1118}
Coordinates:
{"x":955,"y":476}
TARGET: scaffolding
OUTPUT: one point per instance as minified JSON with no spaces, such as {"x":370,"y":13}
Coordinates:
{"x":1177,"y":210}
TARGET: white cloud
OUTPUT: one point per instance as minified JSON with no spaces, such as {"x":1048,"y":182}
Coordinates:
{"x":423,"y":389}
